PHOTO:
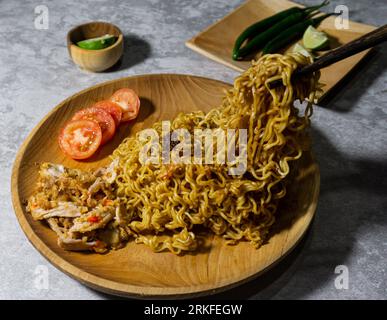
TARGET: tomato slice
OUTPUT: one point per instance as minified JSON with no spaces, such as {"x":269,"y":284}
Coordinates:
{"x":113,"y":109}
{"x":102,"y":117}
{"x":129,"y":102}
{"x":79,"y":139}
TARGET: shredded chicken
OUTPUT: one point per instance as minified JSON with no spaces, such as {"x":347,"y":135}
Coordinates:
{"x":80,"y":207}
{"x":108,"y":174}
{"x":64,"y":209}
{"x":76,"y":244}
{"x":94,"y":219}
{"x":52,"y":170}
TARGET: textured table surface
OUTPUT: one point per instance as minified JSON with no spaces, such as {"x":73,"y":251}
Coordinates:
{"x":350,"y":140}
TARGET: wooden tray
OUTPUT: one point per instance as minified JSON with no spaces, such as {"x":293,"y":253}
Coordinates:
{"x":135,"y":270}
{"x":217,"y":41}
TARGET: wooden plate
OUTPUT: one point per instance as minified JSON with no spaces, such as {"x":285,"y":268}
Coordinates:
{"x":135,"y":270}
{"x":216,"y":42}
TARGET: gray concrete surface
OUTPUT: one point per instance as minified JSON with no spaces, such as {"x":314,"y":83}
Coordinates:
{"x":350,"y":140}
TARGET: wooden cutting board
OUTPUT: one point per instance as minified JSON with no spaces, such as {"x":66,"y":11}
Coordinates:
{"x":217,"y":41}
{"x":136,"y":271}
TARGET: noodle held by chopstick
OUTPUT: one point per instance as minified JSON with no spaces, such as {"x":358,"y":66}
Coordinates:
{"x":165,"y":203}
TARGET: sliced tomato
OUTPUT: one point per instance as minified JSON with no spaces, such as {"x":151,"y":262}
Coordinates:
{"x":79,"y":139}
{"x":102,"y":117}
{"x":111,"y":107}
{"x":129,"y":102}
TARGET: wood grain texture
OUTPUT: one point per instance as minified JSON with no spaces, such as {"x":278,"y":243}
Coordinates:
{"x":217,"y":41}
{"x":136,"y":271}
{"x":95,"y":60}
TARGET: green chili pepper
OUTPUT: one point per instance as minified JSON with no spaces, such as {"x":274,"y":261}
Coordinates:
{"x":263,"y":30}
{"x":290,"y":34}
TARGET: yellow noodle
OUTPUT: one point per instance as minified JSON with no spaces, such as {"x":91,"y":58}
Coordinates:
{"x":166,"y":213}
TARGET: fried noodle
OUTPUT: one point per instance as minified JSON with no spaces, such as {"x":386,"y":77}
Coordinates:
{"x":167,"y":204}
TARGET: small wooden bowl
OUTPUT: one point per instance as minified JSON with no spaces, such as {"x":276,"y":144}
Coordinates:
{"x":95,"y":60}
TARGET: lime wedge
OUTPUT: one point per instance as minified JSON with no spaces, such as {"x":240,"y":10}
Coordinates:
{"x":97,"y":43}
{"x":314,"y":39}
{"x":298,"y":48}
